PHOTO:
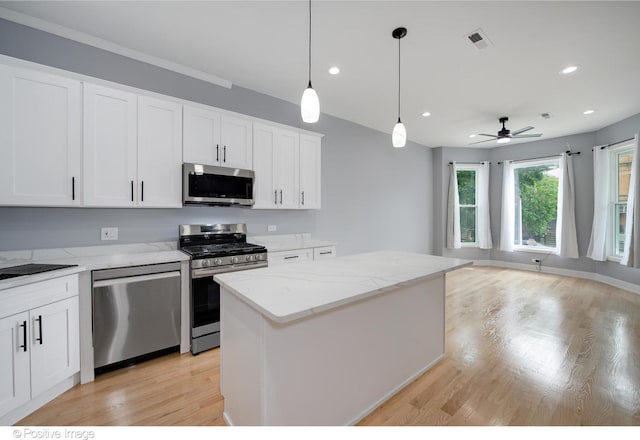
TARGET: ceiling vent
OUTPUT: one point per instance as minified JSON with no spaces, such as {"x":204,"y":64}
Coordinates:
{"x":479,"y":39}
{"x":546,"y":115}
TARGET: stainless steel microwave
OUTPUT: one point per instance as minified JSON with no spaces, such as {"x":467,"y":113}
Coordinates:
{"x":218,"y":186}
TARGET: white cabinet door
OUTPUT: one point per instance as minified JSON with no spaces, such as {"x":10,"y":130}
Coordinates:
{"x":159,"y":153}
{"x":14,"y":362}
{"x":310,"y":171}
{"x":55,"y":344}
{"x":40,"y":138}
{"x":264,"y":189}
{"x":201,"y":136}
{"x":236,"y":143}
{"x":288,"y":168}
{"x":110,"y":147}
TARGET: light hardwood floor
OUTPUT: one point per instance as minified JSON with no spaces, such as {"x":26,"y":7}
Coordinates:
{"x":522,"y":348}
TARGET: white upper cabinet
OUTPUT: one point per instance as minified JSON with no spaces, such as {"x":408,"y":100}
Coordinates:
{"x":218,"y":139}
{"x":159,"y":153}
{"x":287,"y":167}
{"x":40,"y":138}
{"x":310,"y":169}
{"x":110,"y":147}
{"x":276,"y":153}
{"x":132,"y":150}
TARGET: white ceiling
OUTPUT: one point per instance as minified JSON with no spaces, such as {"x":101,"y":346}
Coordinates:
{"x":263,"y":46}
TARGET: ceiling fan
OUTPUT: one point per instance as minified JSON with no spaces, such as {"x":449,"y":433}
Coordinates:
{"x":506,"y":135}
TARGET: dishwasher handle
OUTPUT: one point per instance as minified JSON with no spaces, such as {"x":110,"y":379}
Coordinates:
{"x":135,"y":279}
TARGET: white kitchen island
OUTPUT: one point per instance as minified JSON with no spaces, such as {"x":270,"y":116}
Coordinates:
{"x":326,"y":342}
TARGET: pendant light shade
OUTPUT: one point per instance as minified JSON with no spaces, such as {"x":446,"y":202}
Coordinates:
{"x":310,"y":104}
{"x":399,"y":135}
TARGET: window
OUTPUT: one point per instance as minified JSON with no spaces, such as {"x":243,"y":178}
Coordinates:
{"x":536,"y":204}
{"x":621,"y":158}
{"x":468,"y":195}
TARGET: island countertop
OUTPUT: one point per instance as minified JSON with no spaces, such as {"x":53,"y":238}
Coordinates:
{"x":286,"y":293}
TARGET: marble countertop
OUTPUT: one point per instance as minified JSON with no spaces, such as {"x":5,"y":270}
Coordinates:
{"x":88,"y":258}
{"x":288,"y":242}
{"x":285,"y":293}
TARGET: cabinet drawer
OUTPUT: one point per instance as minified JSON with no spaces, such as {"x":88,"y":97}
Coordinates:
{"x":30,"y":296}
{"x":292,"y":256}
{"x":324,"y":252}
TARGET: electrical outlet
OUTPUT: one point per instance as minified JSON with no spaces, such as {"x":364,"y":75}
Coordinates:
{"x":108,"y":233}
{"x":535,"y":260}
{"x":272,"y":228}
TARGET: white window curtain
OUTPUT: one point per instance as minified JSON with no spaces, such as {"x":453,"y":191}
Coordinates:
{"x":601,"y":209}
{"x":631,"y":256}
{"x":484,"y":222}
{"x":453,"y":211}
{"x":507,"y":216}
{"x":566,"y":235}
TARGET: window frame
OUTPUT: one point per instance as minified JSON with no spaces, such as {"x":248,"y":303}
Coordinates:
{"x":530,"y":164}
{"x":476,"y":169}
{"x":614,"y":152}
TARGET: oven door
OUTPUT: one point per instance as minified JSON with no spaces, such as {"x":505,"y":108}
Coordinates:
{"x":211,"y":185}
{"x":205,"y":304}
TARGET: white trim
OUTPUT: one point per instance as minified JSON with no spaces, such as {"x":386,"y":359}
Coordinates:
{"x":81,"y":37}
{"x":630,"y":287}
{"x":535,"y":249}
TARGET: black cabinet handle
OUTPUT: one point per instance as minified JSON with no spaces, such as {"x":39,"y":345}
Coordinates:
{"x":24,"y":335}
{"x":224,"y":154}
{"x":142,"y":191}
{"x":73,"y":188}
{"x":39,"y":319}
{"x":217,"y":153}
{"x":291,"y":257}
{"x":303,"y":197}
{"x":326,"y":252}
{"x":132,"y":190}
{"x":275,"y":196}
{"x":281,"y":197}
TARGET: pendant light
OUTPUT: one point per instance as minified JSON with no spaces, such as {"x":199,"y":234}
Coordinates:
{"x":310,"y":104}
{"x":399,"y":135}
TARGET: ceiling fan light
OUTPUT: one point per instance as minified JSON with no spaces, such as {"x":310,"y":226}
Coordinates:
{"x":399,"y":135}
{"x":310,"y":105}
{"x":504,"y":140}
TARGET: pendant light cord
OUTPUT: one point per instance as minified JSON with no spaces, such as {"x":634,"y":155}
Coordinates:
{"x":399,"y":79}
{"x":309,"y":43}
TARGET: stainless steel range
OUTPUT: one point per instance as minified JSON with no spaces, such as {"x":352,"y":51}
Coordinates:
{"x":214,"y":249}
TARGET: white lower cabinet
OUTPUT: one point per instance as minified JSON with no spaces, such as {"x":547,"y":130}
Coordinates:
{"x":39,"y":347}
{"x":291,"y":256}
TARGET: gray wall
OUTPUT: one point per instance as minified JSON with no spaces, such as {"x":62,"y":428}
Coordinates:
{"x":583,"y":170}
{"x":373,"y":195}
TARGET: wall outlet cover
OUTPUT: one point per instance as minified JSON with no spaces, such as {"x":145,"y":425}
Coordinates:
{"x":108,"y":233}
{"x":272,"y":228}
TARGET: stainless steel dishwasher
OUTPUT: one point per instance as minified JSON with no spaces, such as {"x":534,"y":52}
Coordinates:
{"x":136,"y":313}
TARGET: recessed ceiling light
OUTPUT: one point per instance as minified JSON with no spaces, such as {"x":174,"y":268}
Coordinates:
{"x":472,"y":135}
{"x":588,"y":112}
{"x":334,"y":70}
{"x":425,"y":114}
{"x":569,"y":69}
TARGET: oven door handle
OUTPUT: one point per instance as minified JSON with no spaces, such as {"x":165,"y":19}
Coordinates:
{"x":135,"y":279}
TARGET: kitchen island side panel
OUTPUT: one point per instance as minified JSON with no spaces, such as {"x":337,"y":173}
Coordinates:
{"x":331,"y":368}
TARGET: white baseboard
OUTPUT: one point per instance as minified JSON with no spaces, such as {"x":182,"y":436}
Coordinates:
{"x":630,"y":287}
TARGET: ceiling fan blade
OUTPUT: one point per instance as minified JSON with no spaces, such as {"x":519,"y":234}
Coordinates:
{"x":486,"y":140}
{"x":490,"y":135}
{"x":522,"y":130}
{"x":532,"y":135}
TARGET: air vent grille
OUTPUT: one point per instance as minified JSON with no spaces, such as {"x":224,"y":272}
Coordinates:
{"x":479,"y":39}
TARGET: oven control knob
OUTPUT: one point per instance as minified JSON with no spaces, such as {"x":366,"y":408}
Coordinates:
{"x":248,"y":258}
{"x":206,"y":263}
{"x":259,"y":257}
{"x":234,"y":259}
{"x":217,"y":261}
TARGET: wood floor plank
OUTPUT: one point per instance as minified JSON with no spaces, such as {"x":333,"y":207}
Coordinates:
{"x":522,"y":348}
